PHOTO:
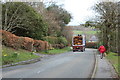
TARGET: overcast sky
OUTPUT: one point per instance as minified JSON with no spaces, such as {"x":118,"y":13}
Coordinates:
{"x":79,"y":9}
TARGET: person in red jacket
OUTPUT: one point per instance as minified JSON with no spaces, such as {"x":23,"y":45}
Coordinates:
{"x":102,"y":50}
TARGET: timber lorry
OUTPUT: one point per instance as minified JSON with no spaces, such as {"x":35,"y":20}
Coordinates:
{"x":78,"y":43}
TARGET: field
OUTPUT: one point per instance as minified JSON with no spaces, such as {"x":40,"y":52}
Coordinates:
{"x":88,"y":33}
{"x":83,"y":32}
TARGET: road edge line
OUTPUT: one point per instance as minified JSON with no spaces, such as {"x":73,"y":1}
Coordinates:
{"x":95,"y":66}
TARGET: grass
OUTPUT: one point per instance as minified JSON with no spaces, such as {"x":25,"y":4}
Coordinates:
{"x":56,"y":51}
{"x":91,"y":32}
{"x":81,"y":32}
{"x":10,"y":55}
{"x":77,"y":32}
{"x":113,"y":58}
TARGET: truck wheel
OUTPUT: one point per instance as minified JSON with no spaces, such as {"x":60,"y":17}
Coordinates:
{"x":82,"y":50}
{"x":73,"y":50}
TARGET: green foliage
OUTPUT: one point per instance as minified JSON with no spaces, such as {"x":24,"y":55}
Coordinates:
{"x":87,"y":24}
{"x":15,"y":54}
{"x":56,"y":40}
{"x":23,"y":20}
{"x":51,"y":40}
{"x":61,"y":15}
{"x":62,"y":40}
{"x":28,"y":20}
{"x":108,"y":24}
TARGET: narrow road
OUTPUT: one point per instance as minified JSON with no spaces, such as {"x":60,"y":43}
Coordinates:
{"x":66,"y":65}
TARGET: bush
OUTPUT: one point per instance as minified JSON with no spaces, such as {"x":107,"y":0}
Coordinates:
{"x":57,"y":42}
{"x":91,"y":45}
{"x":26,"y":43}
{"x":58,"y":46}
{"x":62,"y":40}
{"x":39,"y":45}
{"x":34,"y":24}
{"x":46,"y":45}
{"x":51,"y":40}
{"x":11,"y":40}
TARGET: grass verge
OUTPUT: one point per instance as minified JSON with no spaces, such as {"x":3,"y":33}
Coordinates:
{"x":113,"y":58}
{"x":77,"y":32}
{"x":56,"y":51}
{"x":81,"y":32}
{"x":10,"y":55}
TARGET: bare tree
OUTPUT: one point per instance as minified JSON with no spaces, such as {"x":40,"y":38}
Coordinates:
{"x":68,"y":33}
{"x":109,"y":13}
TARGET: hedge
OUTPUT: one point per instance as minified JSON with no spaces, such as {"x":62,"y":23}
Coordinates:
{"x":16,"y":42}
{"x":91,"y":45}
{"x":57,"y":42}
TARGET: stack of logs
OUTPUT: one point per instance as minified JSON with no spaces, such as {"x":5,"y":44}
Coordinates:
{"x":78,"y":40}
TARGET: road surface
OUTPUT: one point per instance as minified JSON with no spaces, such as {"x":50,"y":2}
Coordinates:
{"x":65,"y":65}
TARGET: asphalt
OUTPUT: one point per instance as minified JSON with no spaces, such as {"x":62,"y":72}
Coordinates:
{"x":66,"y":65}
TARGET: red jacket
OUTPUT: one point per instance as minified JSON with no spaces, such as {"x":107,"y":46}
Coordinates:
{"x":102,"y":49}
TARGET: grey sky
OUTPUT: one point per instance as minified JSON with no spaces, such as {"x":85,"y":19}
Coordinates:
{"x":81,"y":10}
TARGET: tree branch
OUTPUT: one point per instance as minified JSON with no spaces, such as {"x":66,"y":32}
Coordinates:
{"x":13,"y":16}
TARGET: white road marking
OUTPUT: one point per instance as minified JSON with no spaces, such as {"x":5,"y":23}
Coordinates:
{"x":40,"y":71}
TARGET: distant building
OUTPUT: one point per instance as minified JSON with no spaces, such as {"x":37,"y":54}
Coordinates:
{"x":93,"y":39}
